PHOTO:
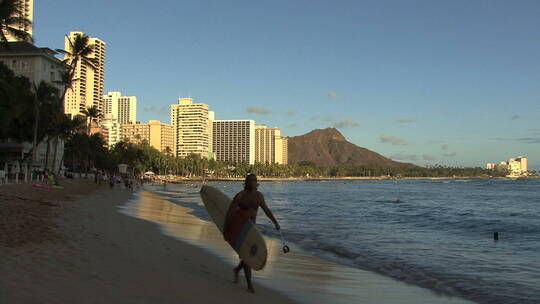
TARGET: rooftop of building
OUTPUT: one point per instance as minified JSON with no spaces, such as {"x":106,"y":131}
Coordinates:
{"x":22,"y":47}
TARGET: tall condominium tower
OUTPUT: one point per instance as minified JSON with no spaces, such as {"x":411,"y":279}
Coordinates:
{"x":192,"y":127}
{"x":123,"y":108}
{"x":269,"y":145}
{"x":26,"y":10}
{"x":87,"y":88}
{"x":234,"y":141}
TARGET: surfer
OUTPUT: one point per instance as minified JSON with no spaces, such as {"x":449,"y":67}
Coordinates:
{"x":247,"y":203}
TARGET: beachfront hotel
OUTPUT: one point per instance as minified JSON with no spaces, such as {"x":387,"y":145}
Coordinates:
{"x":516,"y":166}
{"x":192,"y":124}
{"x":114,"y":130}
{"x":26,"y":11}
{"x":87,"y":88}
{"x":234,"y":141}
{"x":159,"y":135}
{"x":122,"y":108}
{"x":270,"y":146}
{"x":37,"y":64}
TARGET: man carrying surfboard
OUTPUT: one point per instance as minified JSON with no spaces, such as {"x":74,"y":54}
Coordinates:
{"x":246,"y":205}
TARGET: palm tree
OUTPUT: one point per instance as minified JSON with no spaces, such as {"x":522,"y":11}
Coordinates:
{"x":92,"y":115}
{"x":10,"y":18}
{"x":65,"y":129}
{"x":79,"y":50}
{"x":43,"y":93}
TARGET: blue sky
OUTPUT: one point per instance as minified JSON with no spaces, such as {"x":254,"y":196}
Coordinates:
{"x":448,"y":82}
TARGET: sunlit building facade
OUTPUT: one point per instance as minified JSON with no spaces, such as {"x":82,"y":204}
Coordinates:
{"x":192,"y":128}
{"x":233,"y":141}
{"x":26,"y":11}
{"x":123,"y":108}
{"x":88,"y":84}
{"x":269,"y":145}
{"x":159,"y":135}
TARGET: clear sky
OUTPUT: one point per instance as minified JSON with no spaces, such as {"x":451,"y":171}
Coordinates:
{"x":449,"y":82}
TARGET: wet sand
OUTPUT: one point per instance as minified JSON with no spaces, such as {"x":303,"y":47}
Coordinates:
{"x":99,"y":255}
{"x":300,"y":275}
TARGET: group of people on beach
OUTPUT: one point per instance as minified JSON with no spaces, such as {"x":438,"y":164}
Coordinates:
{"x":116,"y":180}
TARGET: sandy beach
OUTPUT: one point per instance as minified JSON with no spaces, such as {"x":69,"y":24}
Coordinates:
{"x":80,"y":249}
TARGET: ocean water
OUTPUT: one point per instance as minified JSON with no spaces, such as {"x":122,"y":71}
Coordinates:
{"x":438,"y":236}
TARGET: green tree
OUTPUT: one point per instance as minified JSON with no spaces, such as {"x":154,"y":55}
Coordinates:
{"x":10,"y":19}
{"x":44,"y":93}
{"x":92,"y":115}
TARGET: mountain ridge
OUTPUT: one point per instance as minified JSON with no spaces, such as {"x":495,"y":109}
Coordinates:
{"x":328,"y":147}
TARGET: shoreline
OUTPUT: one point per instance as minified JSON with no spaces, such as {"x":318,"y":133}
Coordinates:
{"x":104,"y":256}
{"x":345,"y":178}
{"x":307,"y":278}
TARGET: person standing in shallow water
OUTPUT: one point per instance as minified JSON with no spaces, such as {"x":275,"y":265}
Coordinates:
{"x":247,"y":201}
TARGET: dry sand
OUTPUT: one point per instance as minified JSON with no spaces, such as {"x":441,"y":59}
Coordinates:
{"x":57,"y":249}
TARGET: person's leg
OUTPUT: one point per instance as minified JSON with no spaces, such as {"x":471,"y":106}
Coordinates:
{"x":237,"y":270}
{"x":247,"y":272}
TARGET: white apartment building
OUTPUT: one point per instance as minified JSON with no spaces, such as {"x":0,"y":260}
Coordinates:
{"x":123,"y":108}
{"x":269,"y":145}
{"x":37,"y":64}
{"x":87,"y":88}
{"x":192,"y":127}
{"x":114,"y":130}
{"x":26,"y":10}
{"x":234,"y":140}
{"x":516,"y":166}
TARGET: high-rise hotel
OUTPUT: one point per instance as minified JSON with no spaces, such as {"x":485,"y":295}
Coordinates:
{"x":87,"y":88}
{"x":192,"y":123}
{"x":26,"y":11}
{"x":122,"y":108}
{"x":158,"y":135}
{"x":270,"y":146}
{"x":234,"y":141}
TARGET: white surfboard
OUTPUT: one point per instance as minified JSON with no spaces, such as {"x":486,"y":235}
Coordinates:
{"x":250,"y":244}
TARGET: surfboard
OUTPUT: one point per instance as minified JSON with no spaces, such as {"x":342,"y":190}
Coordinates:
{"x":47,"y":187}
{"x":244,"y":238}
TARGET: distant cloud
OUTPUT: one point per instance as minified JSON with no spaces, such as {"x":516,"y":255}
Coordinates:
{"x":450,"y":154}
{"x":516,"y":117}
{"x":157,"y":109}
{"x":332,"y":95}
{"x":291,"y":112}
{"x":404,"y":157}
{"x":258,"y":110}
{"x":526,"y":140}
{"x":292,"y":126}
{"x":347,"y":124}
{"x":394,"y":140}
{"x":428,"y":157}
{"x":407,"y":120}
{"x":444,"y":147}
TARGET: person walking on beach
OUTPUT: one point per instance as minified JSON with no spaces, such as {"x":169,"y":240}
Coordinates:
{"x":112,"y":180}
{"x":247,"y":202}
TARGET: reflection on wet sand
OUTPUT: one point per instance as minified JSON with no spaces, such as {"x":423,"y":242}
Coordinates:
{"x":303,"y":276}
